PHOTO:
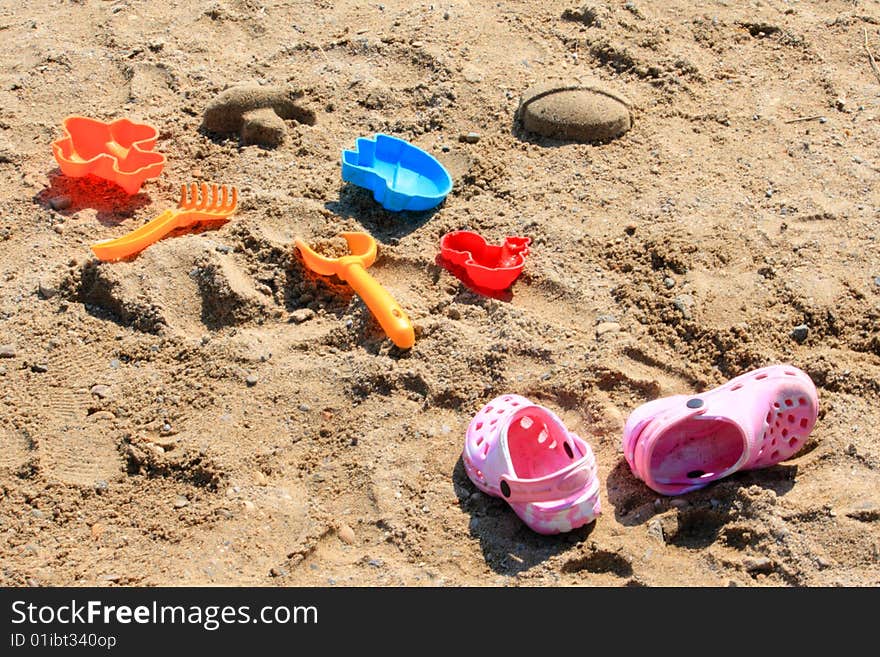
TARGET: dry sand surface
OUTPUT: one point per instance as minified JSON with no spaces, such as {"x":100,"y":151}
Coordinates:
{"x":211,"y":413}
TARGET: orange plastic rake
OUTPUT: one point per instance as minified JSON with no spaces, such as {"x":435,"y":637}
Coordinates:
{"x":210,"y":208}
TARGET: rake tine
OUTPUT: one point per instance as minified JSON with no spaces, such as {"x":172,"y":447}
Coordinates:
{"x":234,"y":198}
{"x":214,"y":196}
{"x":182,"y":201}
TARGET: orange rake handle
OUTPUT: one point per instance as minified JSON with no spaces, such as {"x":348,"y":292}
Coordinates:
{"x":213,"y":207}
{"x":385,"y":309}
{"x":137,"y":240}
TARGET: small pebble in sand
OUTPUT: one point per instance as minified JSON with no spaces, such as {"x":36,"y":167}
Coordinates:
{"x":302,"y":315}
{"x":7,"y":351}
{"x":180,"y":501}
{"x":757,"y":564}
{"x":100,"y":390}
{"x":346,"y":534}
{"x":251,"y":380}
{"x":97,"y":530}
{"x":60,"y":202}
{"x":669,"y":282}
{"x":47,"y":289}
{"x":39,"y":368}
{"x":469,"y":137}
{"x":607,"y":328}
{"x":683,"y":304}
{"x":305,"y":408}
{"x":799,"y":333}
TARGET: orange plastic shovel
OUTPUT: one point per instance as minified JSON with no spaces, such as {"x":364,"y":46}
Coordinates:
{"x":353,"y":270}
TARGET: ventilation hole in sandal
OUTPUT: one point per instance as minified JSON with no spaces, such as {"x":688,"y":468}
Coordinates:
{"x":479,"y":440}
{"x":485,"y":449}
{"x":802,"y":401}
{"x":525,"y":422}
{"x":790,"y":373}
{"x":776,"y":424}
{"x":736,"y":387}
{"x":791,"y":419}
{"x":773,"y":443}
{"x":761,"y":376}
{"x":542,"y":437}
{"x":785,"y":433}
{"x":774,"y":455}
{"x":500,"y":411}
{"x":775,"y":404}
{"x":804,"y":422}
{"x":769,"y":417}
{"x":492,"y":423}
{"x":788,"y":402}
{"x":567,"y":449}
{"x":695,"y":474}
{"x":505,"y":488}
{"x":479,"y":425}
{"x":488,"y":409}
{"x":793,"y":441}
{"x":514,"y":403}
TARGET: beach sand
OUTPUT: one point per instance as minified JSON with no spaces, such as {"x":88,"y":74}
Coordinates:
{"x":211,"y":413}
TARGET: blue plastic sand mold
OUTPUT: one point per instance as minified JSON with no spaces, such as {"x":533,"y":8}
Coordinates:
{"x":400,"y":175}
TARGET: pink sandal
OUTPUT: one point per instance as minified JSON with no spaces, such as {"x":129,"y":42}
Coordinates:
{"x":522,"y":452}
{"x":682,"y":443}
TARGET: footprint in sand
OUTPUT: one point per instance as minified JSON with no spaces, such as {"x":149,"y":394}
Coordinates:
{"x":70,"y":449}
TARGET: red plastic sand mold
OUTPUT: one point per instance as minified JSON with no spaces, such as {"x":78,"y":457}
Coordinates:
{"x":488,"y":266}
{"x":120,"y":151}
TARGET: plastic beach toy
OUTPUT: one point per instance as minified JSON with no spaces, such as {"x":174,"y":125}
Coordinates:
{"x":489,"y":267}
{"x":121,"y":151}
{"x":212,"y":209}
{"x":682,"y":443}
{"x":522,"y":453}
{"x":400,"y":175}
{"x":353,"y":270}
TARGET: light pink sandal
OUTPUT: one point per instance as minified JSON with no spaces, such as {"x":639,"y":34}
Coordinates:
{"x":682,"y":443}
{"x":522,"y":453}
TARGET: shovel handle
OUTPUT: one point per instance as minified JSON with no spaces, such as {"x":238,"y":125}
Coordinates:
{"x":385,"y":309}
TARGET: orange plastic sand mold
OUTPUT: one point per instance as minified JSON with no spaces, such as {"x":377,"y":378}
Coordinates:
{"x":120,"y":151}
{"x":210,"y":206}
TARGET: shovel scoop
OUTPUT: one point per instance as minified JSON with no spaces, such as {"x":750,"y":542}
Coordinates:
{"x":352,"y":269}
